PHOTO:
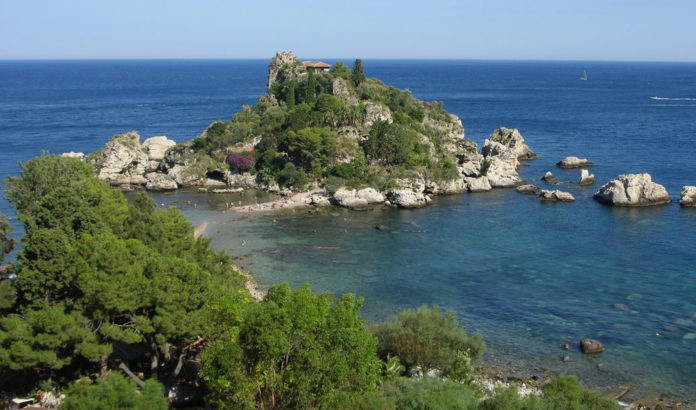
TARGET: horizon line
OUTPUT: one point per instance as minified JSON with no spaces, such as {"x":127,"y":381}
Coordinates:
{"x":335,"y":59}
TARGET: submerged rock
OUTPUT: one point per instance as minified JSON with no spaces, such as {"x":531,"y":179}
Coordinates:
{"x":688,"y":196}
{"x":528,"y":189}
{"x":591,"y":346}
{"x":556,"y":195}
{"x":574,"y":162}
{"x":586,"y":178}
{"x":632,"y":190}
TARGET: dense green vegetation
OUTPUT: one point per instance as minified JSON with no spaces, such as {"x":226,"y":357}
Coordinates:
{"x":114,"y":391}
{"x":96,"y":272}
{"x":338,"y":128}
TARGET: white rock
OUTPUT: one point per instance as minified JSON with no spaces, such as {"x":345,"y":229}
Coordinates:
{"x":371,"y":195}
{"x":548,"y":177}
{"x":556,"y":195}
{"x":471,"y":168}
{"x":245,"y":180}
{"x":688,"y":196}
{"x":375,"y":112}
{"x":632,"y":190}
{"x":452,"y":186}
{"x":574,"y":162}
{"x":586,"y":178}
{"x":404,"y":198}
{"x":159,"y":182}
{"x":121,"y":161}
{"x":480,"y":184}
{"x":512,"y":139}
{"x":157,"y":146}
{"x":184,"y":176}
{"x":78,"y":155}
{"x":501,"y":173}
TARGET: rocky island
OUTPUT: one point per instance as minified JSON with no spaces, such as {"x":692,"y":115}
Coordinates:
{"x":351,"y":140}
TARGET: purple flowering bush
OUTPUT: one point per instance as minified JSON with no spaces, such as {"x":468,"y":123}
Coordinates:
{"x":240,"y":163}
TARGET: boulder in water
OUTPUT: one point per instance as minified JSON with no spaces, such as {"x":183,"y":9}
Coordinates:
{"x":556,"y":195}
{"x":548,"y":177}
{"x":479,"y":184}
{"x":405,"y":198}
{"x":591,"y":346}
{"x":528,"y":189}
{"x":574,"y":162}
{"x":586,"y":178}
{"x":688,"y":196}
{"x":632,"y":190}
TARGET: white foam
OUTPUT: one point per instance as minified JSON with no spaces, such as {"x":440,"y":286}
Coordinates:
{"x":672,"y":99}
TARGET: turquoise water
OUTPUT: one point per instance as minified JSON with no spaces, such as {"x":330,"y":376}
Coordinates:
{"x":530,"y":276}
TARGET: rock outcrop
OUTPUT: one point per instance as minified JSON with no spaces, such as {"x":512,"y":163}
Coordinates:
{"x":501,"y":172}
{"x":632,"y":190}
{"x":479,"y":184}
{"x":282,"y":59}
{"x":528,"y":189}
{"x":586,"y":178}
{"x":157,"y":146}
{"x":405,"y":198}
{"x":351,"y":198}
{"x":78,"y":155}
{"x":376,"y":112}
{"x":159,"y":182}
{"x":122,"y":161}
{"x":688,"y":196}
{"x":556,"y":195}
{"x":512,"y":140}
{"x":342,"y":90}
{"x":574,"y":162}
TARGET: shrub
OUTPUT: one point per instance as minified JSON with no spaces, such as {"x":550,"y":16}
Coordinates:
{"x":290,"y":176}
{"x":430,"y":393}
{"x":293,"y":350}
{"x":114,"y":391}
{"x":429,"y":339}
{"x":240,"y":163}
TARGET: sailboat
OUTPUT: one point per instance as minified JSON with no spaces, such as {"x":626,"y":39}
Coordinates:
{"x":584,"y":76}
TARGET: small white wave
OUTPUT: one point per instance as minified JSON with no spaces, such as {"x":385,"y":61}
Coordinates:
{"x":672,"y":99}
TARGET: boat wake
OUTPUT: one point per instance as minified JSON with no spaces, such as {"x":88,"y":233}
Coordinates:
{"x":672,"y":99}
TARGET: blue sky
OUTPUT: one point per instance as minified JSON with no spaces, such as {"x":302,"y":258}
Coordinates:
{"x":638,"y":30}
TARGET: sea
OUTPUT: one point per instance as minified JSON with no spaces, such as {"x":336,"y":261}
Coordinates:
{"x":529,"y":276}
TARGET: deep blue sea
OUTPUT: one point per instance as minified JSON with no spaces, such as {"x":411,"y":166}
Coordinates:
{"x":530,"y":276}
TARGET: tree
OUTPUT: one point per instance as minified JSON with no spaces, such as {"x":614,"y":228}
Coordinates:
{"x":7,"y":244}
{"x":311,"y":88}
{"x":429,"y":339}
{"x":358,"y":76}
{"x":311,"y":147}
{"x":340,"y":70}
{"x":290,"y":95}
{"x":293,"y":350}
{"x":96,"y":270}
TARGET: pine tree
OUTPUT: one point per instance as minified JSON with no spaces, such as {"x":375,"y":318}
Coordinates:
{"x":311,"y":90}
{"x":358,"y":76}
{"x":290,"y":95}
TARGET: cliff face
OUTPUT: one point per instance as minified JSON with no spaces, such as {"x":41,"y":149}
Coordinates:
{"x":281,"y":59}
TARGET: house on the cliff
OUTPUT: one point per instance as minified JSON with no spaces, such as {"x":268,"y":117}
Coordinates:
{"x":316,"y":66}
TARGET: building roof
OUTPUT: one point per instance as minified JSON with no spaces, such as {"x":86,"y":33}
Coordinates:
{"x":316,"y":64}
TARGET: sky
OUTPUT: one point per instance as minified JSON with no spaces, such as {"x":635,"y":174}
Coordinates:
{"x":614,"y":30}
